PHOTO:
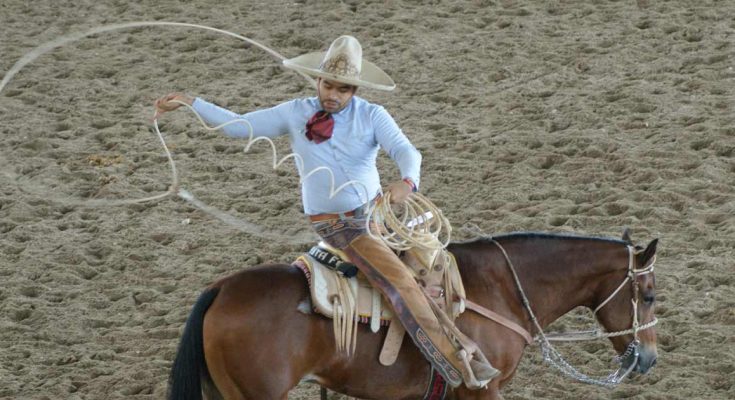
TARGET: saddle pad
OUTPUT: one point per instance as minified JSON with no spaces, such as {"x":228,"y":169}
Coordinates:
{"x":350,"y":300}
{"x":325,"y":285}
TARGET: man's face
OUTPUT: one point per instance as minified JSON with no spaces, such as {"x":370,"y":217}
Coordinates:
{"x":334,"y":96}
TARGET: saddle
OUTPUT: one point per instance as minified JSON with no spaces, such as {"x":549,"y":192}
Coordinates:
{"x":340,"y":292}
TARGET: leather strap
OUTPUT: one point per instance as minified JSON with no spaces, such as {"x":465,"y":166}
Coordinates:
{"x":392,"y":343}
{"x":491,"y":315}
{"x":333,"y":261}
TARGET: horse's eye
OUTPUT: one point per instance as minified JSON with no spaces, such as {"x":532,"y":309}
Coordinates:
{"x":649,"y":299}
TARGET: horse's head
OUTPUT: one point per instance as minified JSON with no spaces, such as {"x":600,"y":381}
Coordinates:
{"x":626,"y":309}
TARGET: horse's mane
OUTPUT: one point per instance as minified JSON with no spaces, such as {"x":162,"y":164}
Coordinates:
{"x":538,"y":235}
{"x":545,"y":239}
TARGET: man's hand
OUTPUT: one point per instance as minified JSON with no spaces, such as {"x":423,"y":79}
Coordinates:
{"x":170,"y":101}
{"x":399,"y":191}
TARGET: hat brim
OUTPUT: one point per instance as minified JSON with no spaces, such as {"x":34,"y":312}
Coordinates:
{"x":371,"y":76}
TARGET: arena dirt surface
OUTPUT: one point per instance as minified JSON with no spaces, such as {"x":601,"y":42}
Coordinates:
{"x":557,"y":116}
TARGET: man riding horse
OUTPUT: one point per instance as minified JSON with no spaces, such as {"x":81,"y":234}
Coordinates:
{"x":341,"y":131}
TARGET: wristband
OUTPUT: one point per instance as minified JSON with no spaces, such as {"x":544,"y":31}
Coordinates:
{"x":411,"y":184}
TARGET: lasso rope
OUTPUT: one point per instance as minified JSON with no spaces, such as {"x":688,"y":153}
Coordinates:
{"x":64,"y":40}
{"x":174,"y":187}
{"x":418,"y":224}
{"x":429,"y":224}
{"x":298,"y":160}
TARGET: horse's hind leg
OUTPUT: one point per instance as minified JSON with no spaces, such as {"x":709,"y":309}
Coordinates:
{"x":221,"y":385}
{"x":237,"y":376}
{"x":257,"y":344}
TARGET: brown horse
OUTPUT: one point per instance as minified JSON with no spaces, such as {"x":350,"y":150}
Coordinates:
{"x":253,"y":335}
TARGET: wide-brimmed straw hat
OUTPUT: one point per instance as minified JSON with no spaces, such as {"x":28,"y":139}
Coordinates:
{"x":342,"y":63}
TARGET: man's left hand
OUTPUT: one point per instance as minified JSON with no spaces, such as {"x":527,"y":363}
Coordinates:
{"x":399,"y":191}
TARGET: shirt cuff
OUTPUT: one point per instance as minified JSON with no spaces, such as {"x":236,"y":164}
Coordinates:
{"x":411,"y":183}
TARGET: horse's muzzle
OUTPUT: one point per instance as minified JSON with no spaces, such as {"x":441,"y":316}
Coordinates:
{"x":646,"y":359}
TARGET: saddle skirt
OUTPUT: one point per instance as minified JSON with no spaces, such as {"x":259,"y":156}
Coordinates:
{"x":349,"y":301}
{"x":331,"y":290}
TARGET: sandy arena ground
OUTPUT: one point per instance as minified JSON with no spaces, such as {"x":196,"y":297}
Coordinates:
{"x":561,"y":116}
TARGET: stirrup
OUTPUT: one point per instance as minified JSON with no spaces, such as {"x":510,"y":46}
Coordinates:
{"x":470,"y":380}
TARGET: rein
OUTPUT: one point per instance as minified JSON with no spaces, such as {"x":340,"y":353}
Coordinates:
{"x":553,"y":357}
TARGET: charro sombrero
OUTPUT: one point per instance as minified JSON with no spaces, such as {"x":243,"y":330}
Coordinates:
{"x":342,"y":63}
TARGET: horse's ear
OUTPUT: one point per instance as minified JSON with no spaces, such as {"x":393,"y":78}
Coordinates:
{"x":626,"y":236}
{"x":646,"y":255}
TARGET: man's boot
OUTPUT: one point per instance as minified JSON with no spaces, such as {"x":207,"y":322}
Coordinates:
{"x":477,"y":371}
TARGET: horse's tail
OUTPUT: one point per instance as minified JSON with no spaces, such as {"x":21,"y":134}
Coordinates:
{"x":190,"y":368}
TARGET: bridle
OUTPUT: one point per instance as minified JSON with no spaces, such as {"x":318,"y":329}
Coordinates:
{"x":636,"y":327}
{"x":629,"y":358}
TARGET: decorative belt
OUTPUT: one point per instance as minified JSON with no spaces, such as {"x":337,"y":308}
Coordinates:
{"x":359,"y":211}
{"x":325,"y":217}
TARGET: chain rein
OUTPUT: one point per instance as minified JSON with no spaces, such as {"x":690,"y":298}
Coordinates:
{"x":553,"y":357}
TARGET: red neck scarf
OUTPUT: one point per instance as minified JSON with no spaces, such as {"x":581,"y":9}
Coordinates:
{"x":320,"y":126}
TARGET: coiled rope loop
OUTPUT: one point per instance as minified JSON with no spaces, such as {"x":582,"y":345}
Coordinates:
{"x":417,"y":222}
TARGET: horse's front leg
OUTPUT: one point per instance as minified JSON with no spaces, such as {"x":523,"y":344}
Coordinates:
{"x":491,"y":393}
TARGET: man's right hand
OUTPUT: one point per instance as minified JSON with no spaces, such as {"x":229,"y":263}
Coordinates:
{"x":170,"y":102}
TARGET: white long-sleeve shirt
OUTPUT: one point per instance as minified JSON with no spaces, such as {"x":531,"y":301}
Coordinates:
{"x":360,"y":129}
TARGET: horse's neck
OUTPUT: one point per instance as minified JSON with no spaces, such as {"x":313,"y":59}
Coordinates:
{"x":554,"y":277}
